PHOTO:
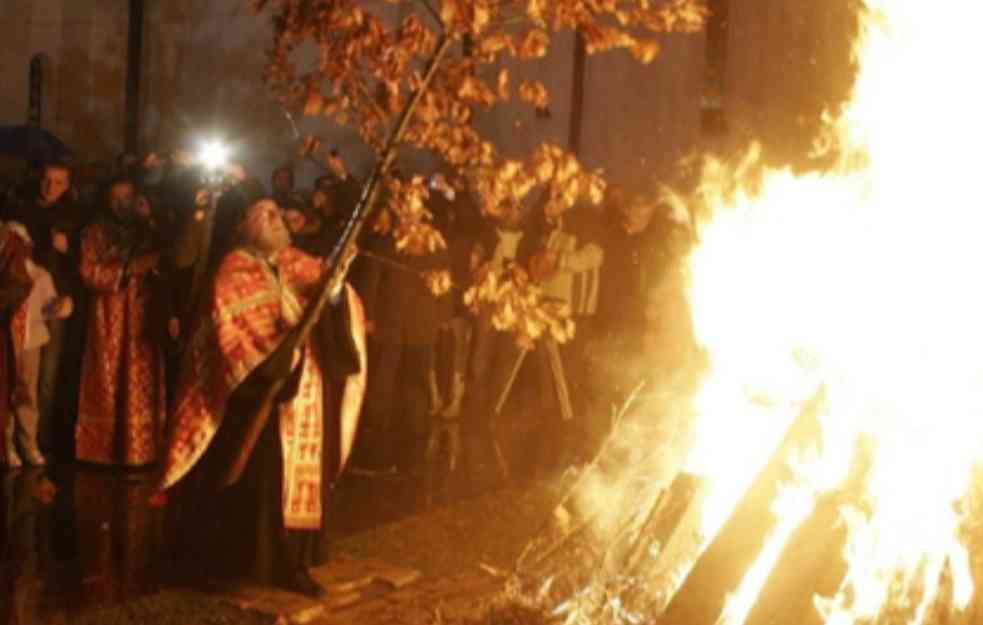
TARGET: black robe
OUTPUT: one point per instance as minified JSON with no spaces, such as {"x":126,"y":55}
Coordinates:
{"x":238,"y":532}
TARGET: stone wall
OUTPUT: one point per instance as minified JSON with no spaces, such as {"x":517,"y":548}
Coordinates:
{"x":84,"y":43}
{"x":640,"y":119}
{"x":203,"y":69}
{"x":203,"y":63}
{"x":787,"y":62}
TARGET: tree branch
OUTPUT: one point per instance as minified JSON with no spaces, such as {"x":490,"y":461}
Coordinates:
{"x":339,"y":262}
{"x":362,"y":91}
{"x":434,"y":14}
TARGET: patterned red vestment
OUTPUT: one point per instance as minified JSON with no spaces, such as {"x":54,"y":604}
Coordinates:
{"x":252,"y":309}
{"x":122,"y":403}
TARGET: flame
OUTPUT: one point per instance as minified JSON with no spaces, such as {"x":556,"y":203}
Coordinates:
{"x":862,"y":279}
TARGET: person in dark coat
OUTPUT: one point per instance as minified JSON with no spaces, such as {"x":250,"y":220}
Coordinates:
{"x":54,"y":220}
{"x":403,"y":317}
{"x":646,"y":243}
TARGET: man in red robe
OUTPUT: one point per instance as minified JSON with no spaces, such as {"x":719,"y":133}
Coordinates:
{"x":269,"y":524}
{"x":122,"y":402}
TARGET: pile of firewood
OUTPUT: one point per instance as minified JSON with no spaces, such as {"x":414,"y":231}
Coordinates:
{"x":640,"y":559}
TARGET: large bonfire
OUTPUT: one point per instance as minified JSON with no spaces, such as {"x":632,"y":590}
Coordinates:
{"x":848,"y":298}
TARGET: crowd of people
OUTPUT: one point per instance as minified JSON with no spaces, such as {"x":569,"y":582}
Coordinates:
{"x":138,"y":307}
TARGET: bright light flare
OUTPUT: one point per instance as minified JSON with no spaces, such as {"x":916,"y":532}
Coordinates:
{"x":213,"y":155}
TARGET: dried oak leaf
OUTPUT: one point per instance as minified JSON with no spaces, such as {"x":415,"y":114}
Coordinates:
{"x":534,"y":44}
{"x":645,"y":51}
{"x":534,"y":92}
{"x":314,"y":104}
{"x":438,"y":282}
{"x":310,"y":145}
{"x":535,"y":9}
{"x":418,"y":239}
{"x":480,"y":17}
{"x":383,"y":223}
{"x":503,"y":84}
{"x":596,"y":188}
{"x":450,"y":12}
{"x":493,"y":44}
{"x":336,"y":165}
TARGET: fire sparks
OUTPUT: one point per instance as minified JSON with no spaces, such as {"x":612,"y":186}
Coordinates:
{"x":860,"y":279}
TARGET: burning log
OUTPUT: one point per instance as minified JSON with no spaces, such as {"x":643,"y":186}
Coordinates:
{"x":720,"y":570}
{"x":574,"y":528}
{"x":627,"y":552}
{"x":663,"y":519}
{"x":812,"y":562}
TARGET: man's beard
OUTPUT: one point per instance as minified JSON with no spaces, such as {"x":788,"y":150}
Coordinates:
{"x":271,"y":242}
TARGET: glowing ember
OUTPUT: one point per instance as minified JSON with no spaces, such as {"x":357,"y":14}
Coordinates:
{"x":862,"y":279}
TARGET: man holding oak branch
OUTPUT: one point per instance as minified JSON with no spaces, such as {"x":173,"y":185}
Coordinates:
{"x":268,"y":525}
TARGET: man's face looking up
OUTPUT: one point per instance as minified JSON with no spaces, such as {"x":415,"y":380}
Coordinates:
{"x":264,"y":229}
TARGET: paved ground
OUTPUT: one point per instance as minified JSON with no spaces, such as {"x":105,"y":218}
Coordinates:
{"x":83,"y":552}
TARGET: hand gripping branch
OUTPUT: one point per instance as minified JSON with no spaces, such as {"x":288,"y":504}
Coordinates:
{"x":339,"y":262}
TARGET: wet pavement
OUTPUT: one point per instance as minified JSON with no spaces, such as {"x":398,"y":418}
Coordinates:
{"x":79,"y":538}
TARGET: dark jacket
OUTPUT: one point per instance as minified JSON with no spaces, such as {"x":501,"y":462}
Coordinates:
{"x":65,"y":216}
{"x":396,"y":298}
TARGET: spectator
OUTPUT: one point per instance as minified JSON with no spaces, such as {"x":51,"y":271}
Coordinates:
{"x":122,"y":401}
{"x":454,"y":211}
{"x":283,"y":189}
{"x":54,"y":219}
{"x":331,"y":207}
{"x":15,"y":285}
{"x":641,"y":284}
{"x":404,"y":316}
{"x":634,"y":258}
{"x":493,"y":356}
{"x":567,"y":265}
{"x":304,"y":226}
{"x":30,"y":333}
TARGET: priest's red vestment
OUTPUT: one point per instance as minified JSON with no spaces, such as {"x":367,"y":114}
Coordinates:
{"x":254,"y":303}
{"x":122,"y":401}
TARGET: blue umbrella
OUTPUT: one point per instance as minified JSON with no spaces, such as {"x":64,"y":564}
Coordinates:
{"x":32,"y":144}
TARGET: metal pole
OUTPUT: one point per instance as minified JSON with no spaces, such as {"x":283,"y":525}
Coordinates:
{"x":134,"y":65}
{"x":577,"y":94}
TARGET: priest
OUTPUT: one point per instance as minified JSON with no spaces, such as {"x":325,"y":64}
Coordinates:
{"x":267,"y":520}
{"x":121,"y":403}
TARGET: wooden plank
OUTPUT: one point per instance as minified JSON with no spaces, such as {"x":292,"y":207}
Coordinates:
{"x":812,"y":564}
{"x":812,"y":561}
{"x":348,"y":581}
{"x":721,"y":568}
{"x":451,"y":597}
